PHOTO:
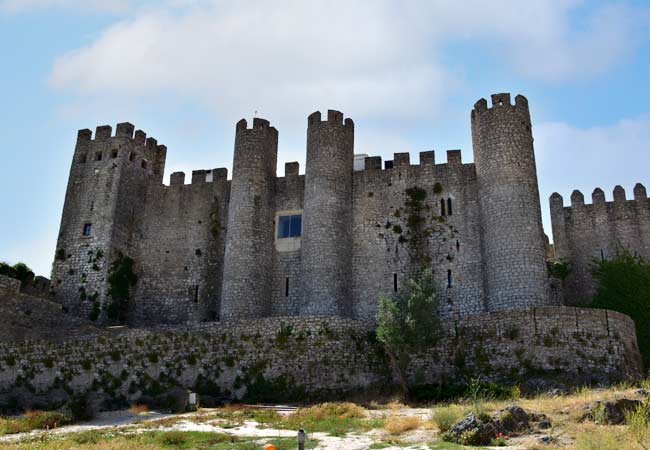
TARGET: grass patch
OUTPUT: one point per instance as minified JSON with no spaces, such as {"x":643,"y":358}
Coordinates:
{"x":152,"y":440}
{"x":34,"y":420}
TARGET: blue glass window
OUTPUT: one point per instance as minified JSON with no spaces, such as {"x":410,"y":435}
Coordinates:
{"x":289,"y":226}
{"x":87,"y":229}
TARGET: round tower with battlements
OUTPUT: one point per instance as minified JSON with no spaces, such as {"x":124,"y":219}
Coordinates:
{"x":514,"y":257}
{"x":247,"y":273}
{"x":327,"y":217}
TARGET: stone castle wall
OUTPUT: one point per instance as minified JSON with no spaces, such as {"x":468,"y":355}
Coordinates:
{"x":317,"y":356}
{"x":583,"y":233}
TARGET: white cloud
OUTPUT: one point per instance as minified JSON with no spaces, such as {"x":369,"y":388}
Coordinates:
{"x":26,"y":6}
{"x":369,"y":59}
{"x":571,"y":158}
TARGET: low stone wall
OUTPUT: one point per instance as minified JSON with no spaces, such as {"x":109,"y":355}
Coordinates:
{"x":316,"y":356}
{"x":9,"y":284}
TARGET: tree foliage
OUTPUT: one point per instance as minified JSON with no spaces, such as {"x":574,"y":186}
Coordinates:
{"x":120,"y":279}
{"x":18,"y":271}
{"x":408,"y":322}
{"x":624,"y":286}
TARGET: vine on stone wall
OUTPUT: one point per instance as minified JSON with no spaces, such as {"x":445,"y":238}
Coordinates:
{"x":121,"y":279}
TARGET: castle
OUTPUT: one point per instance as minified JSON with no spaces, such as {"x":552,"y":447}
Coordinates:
{"x":326,"y":243}
{"x":223,"y":281}
{"x":329,"y":242}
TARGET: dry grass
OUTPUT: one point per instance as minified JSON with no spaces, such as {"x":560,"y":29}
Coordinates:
{"x":136,"y":410}
{"x":397,"y":425}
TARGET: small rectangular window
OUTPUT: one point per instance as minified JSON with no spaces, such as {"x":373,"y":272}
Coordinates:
{"x":132,"y":156}
{"x":144,"y":164}
{"x":448,"y":278}
{"x":82,"y":158}
{"x":395,"y":282}
{"x":98,"y":156}
{"x":289,"y":226}
{"x":286,"y":287}
{"x":87,"y":229}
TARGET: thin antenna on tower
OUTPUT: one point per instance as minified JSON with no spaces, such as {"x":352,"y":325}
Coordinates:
{"x":254,"y":114}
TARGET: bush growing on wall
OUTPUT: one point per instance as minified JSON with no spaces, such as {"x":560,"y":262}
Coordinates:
{"x":624,"y":286}
{"x":120,"y":280}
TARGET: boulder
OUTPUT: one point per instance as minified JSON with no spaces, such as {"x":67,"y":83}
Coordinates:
{"x":611,"y":412}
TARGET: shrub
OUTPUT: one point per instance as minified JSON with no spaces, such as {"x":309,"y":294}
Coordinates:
{"x":45,"y":420}
{"x":446,"y":417}
{"x":624,"y":286}
{"x":396,"y":425}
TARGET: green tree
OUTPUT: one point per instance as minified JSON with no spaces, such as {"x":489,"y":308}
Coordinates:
{"x":408,"y":323}
{"x":18,"y":271}
{"x":624,"y":286}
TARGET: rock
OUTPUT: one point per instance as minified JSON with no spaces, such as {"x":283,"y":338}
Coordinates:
{"x":612,"y":412}
{"x":547,"y":440}
{"x":642,"y":392}
{"x":512,"y":419}
{"x":472,"y":431}
{"x":544,"y":424}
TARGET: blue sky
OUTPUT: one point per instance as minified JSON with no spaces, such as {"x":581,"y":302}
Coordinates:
{"x":407,"y":72}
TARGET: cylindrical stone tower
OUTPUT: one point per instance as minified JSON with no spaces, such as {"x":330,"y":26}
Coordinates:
{"x":248,"y":260}
{"x":327,"y":218}
{"x":514,"y":256}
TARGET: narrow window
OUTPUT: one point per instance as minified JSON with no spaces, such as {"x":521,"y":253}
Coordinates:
{"x":92,"y":205}
{"x":87,"y":229}
{"x":448,"y":278}
{"x":449,"y":206}
{"x":602,"y":255}
{"x":457,"y":246}
{"x":286,"y":287}
{"x":82,"y":158}
{"x":196,"y":294}
{"x":114,"y":154}
{"x":98,"y":156}
{"x":132,"y":157}
{"x":395,"y":282}
{"x":144,"y":164}
{"x":442,"y":207}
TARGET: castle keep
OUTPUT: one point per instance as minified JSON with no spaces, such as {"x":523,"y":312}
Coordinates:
{"x":328,"y":242}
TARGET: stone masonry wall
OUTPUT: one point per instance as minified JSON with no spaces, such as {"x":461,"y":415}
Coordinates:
{"x":317,"y":355}
{"x":448,"y":241}
{"x":583,"y":233}
{"x":179,"y":250}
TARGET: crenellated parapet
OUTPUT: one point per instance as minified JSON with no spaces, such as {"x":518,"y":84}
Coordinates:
{"x":584,"y":232}
{"x":127,"y":144}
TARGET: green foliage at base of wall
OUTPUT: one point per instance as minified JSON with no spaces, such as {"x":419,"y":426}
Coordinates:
{"x":624,"y":286}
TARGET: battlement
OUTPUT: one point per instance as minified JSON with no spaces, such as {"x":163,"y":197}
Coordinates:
{"x":598,"y":197}
{"x":291,"y":169}
{"x":500,"y":101}
{"x":259,"y":125}
{"x":200,"y":176}
{"x":402,"y":160}
{"x":122,"y":130}
{"x":333,"y":118}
